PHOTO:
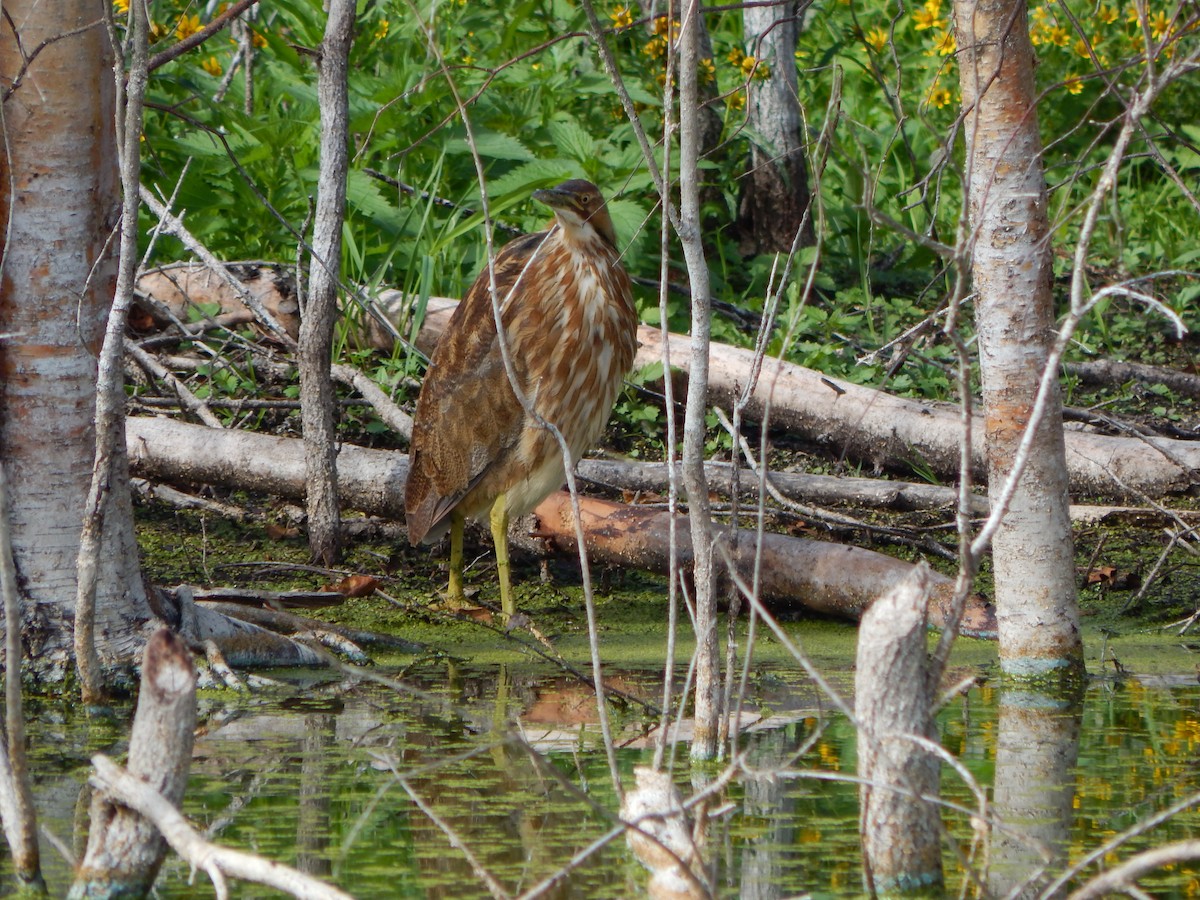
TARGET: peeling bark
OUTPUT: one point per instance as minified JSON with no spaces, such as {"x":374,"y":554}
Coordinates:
{"x":1011,"y":269}
{"x":59,"y":199}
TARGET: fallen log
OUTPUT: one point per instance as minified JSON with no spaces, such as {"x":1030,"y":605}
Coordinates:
{"x":832,"y":579}
{"x":796,"y":573}
{"x":869,"y":425}
{"x":1111,"y":373}
{"x":850,"y":420}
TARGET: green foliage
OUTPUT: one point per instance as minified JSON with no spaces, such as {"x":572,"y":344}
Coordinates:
{"x":879,"y":79}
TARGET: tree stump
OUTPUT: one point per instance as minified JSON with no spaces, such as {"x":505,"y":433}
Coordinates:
{"x":894,"y":692}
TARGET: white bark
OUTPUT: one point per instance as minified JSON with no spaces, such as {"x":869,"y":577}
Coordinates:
{"x":317,"y":396}
{"x":56,"y":286}
{"x":1032,"y":550}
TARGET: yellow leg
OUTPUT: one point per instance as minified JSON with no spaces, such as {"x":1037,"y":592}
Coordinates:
{"x":499,"y":522}
{"x":454,"y":592}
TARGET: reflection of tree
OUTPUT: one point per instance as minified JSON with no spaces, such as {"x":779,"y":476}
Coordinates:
{"x":312,"y":825}
{"x":1037,"y":748}
{"x":768,"y":798}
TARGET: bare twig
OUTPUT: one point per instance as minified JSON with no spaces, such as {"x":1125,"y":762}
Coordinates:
{"x":215,"y":861}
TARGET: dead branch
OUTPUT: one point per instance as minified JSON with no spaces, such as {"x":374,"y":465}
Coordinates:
{"x":215,"y":861}
{"x":284,"y":622}
{"x":125,"y":850}
{"x":865,"y":424}
{"x":320,"y":312}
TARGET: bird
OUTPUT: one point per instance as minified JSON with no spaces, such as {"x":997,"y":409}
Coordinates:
{"x":570,"y":325}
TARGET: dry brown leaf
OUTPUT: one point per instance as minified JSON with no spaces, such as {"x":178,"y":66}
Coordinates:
{"x":354,"y":586}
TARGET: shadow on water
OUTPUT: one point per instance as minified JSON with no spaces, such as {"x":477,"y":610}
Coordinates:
{"x":379,"y":790}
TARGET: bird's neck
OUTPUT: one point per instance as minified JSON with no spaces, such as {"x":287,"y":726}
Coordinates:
{"x":583,"y":238}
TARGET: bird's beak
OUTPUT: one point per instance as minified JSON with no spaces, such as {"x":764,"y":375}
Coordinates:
{"x":553,"y":198}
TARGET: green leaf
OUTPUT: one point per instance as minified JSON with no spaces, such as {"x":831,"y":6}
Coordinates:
{"x":492,"y":145}
{"x":571,"y":139}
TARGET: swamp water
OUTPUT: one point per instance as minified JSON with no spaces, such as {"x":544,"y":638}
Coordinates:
{"x":312,"y":776}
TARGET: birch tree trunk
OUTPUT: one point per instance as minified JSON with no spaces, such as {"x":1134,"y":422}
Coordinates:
{"x":59,"y":199}
{"x":1037,"y":610}
{"x":708,"y":675}
{"x":317,"y":399}
{"x":775,"y":194}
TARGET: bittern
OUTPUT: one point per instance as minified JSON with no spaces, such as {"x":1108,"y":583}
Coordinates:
{"x":570,"y":326}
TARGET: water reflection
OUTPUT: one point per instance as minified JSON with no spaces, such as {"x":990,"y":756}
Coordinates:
{"x":317,"y":784}
{"x":1037,"y":749}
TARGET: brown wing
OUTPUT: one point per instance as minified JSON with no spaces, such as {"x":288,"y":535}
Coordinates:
{"x":467,"y":414}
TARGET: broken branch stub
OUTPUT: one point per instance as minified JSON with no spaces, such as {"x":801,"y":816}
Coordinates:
{"x":894,"y":700}
{"x":124,"y":850}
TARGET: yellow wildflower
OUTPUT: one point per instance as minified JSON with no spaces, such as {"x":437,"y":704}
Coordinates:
{"x":928,"y":16}
{"x":257,"y":40}
{"x":707,"y":71}
{"x":940,"y":97}
{"x":1074,"y":85}
{"x":661,"y":28}
{"x":749,"y":64}
{"x":622,"y":17}
{"x":736,"y":56}
{"x":187,"y":26}
{"x":876,"y":39}
{"x":1132,"y":16}
{"x":381,"y":30}
{"x":1108,"y":14}
{"x":655,"y":47}
{"x":944,"y":44}
{"x":212,"y":66}
{"x":158,"y":31}
{"x":738,"y":100}
{"x":1160,"y":25}
{"x":121,"y":6}
{"x":468,"y":60}
{"x":1083,"y":48}
{"x":1058,"y":35}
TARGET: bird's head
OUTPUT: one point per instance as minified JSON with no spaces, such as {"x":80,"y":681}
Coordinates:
{"x":579,"y":207}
